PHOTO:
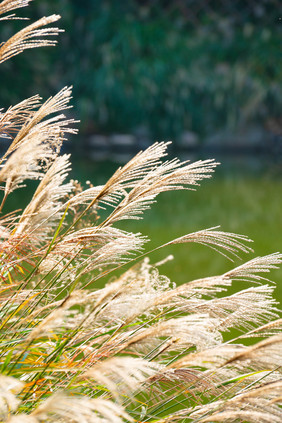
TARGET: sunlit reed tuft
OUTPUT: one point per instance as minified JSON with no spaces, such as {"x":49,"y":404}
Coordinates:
{"x":140,"y":349}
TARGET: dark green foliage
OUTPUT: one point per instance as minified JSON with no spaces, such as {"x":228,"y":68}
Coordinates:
{"x":192,"y":65}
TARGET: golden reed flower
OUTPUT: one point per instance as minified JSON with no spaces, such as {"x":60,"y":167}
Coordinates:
{"x":141,"y":348}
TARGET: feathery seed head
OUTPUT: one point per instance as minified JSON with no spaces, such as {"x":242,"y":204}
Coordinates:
{"x":141,"y":348}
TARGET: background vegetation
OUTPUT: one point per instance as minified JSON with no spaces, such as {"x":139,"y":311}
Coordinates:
{"x":223,"y":69}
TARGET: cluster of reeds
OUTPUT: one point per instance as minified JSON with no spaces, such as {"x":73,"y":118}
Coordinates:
{"x":139,"y":349}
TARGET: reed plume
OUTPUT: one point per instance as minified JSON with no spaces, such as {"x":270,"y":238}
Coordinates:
{"x":140,"y":348}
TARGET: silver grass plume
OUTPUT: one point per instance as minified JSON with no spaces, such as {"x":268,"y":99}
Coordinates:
{"x":255,"y":405}
{"x":9,"y":387}
{"x":122,"y":375}
{"x":53,"y":128}
{"x":25,"y":162}
{"x":43,"y":211}
{"x":133,"y":188}
{"x":168,"y":176}
{"x":30,"y":37}
{"x":141,"y":348}
{"x":62,"y":408}
{"x":14,"y":118}
{"x":8,"y":5}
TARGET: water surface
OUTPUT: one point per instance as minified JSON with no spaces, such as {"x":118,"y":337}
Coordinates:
{"x":244,"y":196}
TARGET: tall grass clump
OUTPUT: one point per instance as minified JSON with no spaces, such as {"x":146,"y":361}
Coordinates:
{"x":141,"y":348}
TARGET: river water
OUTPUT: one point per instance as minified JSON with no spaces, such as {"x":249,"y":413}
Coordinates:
{"x":244,"y":196}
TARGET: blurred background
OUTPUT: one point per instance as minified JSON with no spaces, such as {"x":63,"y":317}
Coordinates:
{"x":204,"y":73}
{"x":189,"y":70}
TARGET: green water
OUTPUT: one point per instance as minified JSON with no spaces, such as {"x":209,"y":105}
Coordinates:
{"x":244,"y":196}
